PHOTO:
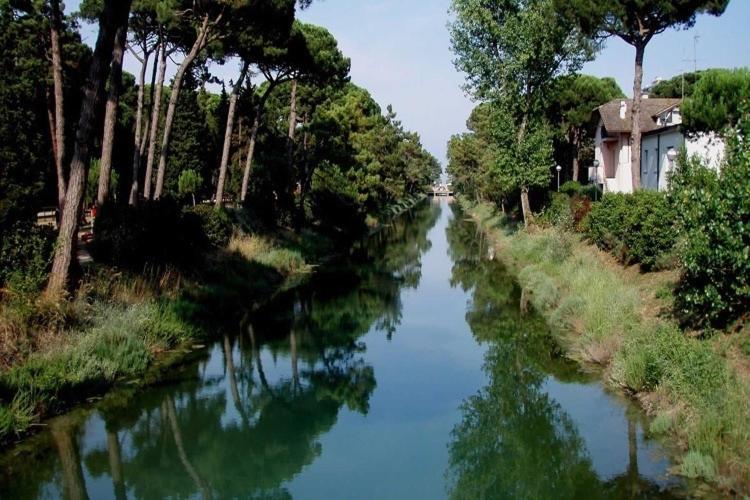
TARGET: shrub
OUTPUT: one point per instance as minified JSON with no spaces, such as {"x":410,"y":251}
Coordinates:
{"x":571,"y":188}
{"x":215,"y":224}
{"x":25,"y":256}
{"x":714,"y":224}
{"x":636,"y":227}
{"x":559,"y":213}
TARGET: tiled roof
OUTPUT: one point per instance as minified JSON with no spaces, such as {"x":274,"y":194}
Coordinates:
{"x":650,"y":109}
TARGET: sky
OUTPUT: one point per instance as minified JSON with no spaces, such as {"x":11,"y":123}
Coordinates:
{"x":400,"y":51}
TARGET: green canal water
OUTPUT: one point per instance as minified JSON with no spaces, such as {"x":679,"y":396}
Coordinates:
{"x":410,"y":372}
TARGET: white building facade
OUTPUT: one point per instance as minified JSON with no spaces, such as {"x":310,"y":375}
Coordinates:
{"x":661,"y":132}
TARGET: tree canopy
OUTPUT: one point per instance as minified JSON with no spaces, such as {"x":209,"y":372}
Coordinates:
{"x":717,"y":100}
{"x":511,"y":52}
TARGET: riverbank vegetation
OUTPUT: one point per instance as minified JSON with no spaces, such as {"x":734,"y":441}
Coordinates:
{"x":664,"y":311}
{"x":620,"y":319}
{"x":207,"y":195}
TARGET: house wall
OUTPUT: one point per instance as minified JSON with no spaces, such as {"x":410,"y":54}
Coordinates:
{"x":614,"y":160}
{"x":614,"y":157}
{"x":655,"y":165}
{"x":709,"y":147}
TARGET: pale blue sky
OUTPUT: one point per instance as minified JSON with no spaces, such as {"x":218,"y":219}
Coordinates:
{"x":400,"y":51}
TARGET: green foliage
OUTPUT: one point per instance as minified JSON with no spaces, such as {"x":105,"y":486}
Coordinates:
{"x":27,"y":174}
{"x":285,"y":261}
{"x":678,"y":87}
{"x":512,"y":52}
{"x":717,"y":100}
{"x":577,"y":96}
{"x":714,"y":226}
{"x":120,"y":342}
{"x":559,"y":212}
{"x":661,"y":424}
{"x":351,"y":159}
{"x":635,"y":227}
{"x":92,"y":184}
{"x":570,"y":188}
{"x":25,"y":256}
{"x":471,"y":156}
{"x":189,"y":182}
{"x":17,"y":416}
{"x":636,"y":21}
{"x":507,"y":48}
{"x":700,"y":398}
{"x":216,"y":224}
{"x":697,"y":465}
{"x":193,"y":146}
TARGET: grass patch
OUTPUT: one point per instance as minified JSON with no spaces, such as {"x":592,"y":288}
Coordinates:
{"x":697,"y":465}
{"x":260,"y":249}
{"x":119,"y":341}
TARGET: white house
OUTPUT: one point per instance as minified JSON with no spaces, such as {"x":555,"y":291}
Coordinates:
{"x":661,"y":132}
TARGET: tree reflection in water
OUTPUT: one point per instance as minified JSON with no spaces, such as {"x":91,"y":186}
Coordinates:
{"x":244,"y":429}
{"x":514,"y":440}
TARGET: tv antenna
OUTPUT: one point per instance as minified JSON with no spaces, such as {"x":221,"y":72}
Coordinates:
{"x":695,"y":52}
{"x":694,"y":60}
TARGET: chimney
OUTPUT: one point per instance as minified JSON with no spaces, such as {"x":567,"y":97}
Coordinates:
{"x":623,"y":109}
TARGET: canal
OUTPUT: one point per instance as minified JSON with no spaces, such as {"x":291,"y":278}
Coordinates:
{"x":412,"y":371}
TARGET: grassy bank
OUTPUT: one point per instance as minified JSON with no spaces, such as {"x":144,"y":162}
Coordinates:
{"x":127,"y":327}
{"x":696,"y":390}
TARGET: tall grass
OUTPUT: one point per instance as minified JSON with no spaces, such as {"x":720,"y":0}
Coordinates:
{"x":64,"y":353}
{"x":260,"y":249}
{"x":601,"y":317}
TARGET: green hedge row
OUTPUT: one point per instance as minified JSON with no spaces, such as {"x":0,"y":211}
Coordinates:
{"x":636,"y":228}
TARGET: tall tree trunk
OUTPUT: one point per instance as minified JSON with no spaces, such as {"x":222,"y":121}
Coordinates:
{"x":155,"y":114}
{"x":114,"y":453}
{"x":138,"y":138}
{"x":304,"y":174}
{"x":228,"y":136}
{"x":147,"y":123}
{"x":57,"y":79}
{"x":292,"y":126}
{"x":110,"y":115}
{"x":53,"y":141}
{"x":635,"y":146}
{"x":58,"y":118}
{"x":198,"y":45}
{"x":576,"y":151}
{"x":74,"y":484}
{"x":253,"y":139}
{"x":115,"y":15}
{"x":528,"y":217}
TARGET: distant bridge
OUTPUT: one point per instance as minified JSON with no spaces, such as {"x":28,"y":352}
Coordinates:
{"x":440,"y":190}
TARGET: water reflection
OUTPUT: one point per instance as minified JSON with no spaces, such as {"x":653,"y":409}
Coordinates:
{"x":514,"y":440}
{"x":246,"y":416}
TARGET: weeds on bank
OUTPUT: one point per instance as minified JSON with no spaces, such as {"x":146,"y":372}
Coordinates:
{"x":260,"y":249}
{"x":686,"y":382}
